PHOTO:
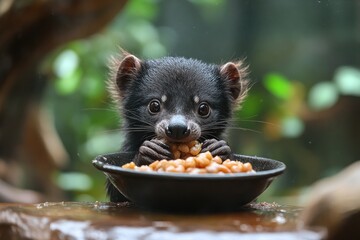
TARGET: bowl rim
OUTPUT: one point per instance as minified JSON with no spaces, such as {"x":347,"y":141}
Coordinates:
{"x":100,"y":164}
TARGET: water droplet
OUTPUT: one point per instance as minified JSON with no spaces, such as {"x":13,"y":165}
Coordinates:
{"x":279,"y":219}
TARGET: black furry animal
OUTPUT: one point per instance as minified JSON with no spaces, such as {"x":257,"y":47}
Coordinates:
{"x":175,"y":99}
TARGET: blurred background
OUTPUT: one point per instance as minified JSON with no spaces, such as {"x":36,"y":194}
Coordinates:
{"x":56,"y":116}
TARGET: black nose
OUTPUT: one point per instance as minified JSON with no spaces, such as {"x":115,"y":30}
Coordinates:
{"x":177,"y":128}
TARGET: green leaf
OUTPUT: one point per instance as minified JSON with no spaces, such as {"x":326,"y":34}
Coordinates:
{"x":278,"y":85}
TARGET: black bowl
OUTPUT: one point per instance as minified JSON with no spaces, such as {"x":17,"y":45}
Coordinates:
{"x":181,"y":191}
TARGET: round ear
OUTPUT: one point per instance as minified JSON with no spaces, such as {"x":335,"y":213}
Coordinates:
{"x":234,"y":75}
{"x":231,"y":74}
{"x":129,"y":67}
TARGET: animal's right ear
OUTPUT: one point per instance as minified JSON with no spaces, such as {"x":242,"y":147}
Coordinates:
{"x":127,"y":70}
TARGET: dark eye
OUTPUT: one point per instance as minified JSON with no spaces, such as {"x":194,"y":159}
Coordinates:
{"x":154,"y":106}
{"x":204,"y":110}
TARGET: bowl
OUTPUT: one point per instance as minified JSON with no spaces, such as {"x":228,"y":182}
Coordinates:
{"x":181,"y":191}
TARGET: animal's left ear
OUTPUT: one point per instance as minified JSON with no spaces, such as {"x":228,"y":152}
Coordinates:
{"x":235,"y":76}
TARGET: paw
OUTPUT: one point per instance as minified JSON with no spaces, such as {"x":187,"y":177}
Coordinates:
{"x":151,"y":151}
{"x":217,"y":148}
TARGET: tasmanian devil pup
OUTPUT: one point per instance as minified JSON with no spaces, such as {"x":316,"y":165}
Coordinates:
{"x":177,"y":100}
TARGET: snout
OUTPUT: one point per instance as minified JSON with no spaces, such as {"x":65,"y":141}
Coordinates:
{"x":178,"y":128}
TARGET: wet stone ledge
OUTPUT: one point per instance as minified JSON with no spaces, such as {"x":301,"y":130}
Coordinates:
{"x":70,"y":220}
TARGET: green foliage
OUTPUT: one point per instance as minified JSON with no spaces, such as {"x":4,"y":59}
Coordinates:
{"x":278,"y":85}
{"x":143,"y":9}
{"x":252,"y":106}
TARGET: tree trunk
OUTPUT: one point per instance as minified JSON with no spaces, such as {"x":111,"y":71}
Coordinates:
{"x":30,"y":30}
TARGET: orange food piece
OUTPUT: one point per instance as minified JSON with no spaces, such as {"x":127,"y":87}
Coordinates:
{"x":199,"y":163}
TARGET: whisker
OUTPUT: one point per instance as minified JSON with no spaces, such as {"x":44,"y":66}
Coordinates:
{"x":148,"y":136}
{"x":137,"y":118}
{"x":136,"y":130}
{"x":245,"y":129}
{"x":225,"y":125}
{"x":255,"y":121}
{"x":207,"y":136}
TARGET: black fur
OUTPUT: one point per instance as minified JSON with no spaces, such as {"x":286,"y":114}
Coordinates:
{"x":180,"y":80}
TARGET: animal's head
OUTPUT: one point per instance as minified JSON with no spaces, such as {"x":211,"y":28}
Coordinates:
{"x":175,"y":98}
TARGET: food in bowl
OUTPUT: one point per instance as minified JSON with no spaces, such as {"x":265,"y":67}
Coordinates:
{"x":190,"y":160}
